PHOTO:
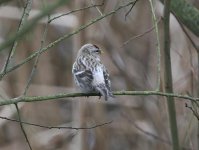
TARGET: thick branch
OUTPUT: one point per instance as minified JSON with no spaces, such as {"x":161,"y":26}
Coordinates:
{"x":72,"y":95}
{"x":168,"y":77}
{"x":187,"y":13}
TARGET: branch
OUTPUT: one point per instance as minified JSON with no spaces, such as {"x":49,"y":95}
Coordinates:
{"x":31,"y":24}
{"x":64,"y":37}
{"x":145,"y":132}
{"x":133,"y":4}
{"x":72,"y":95}
{"x":187,"y":13}
{"x":76,"y":10}
{"x":24,"y":17}
{"x":168,"y":76}
{"x":37,"y":58}
{"x":187,"y":34}
{"x":22,"y":128}
{"x":151,"y":134}
{"x":158,"y":53}
{"x":195,"y":113}
{"x":139,"y":35}
{"x":57,"y":127}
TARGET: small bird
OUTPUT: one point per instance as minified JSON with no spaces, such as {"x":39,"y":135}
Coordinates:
{"x":89,"y":73}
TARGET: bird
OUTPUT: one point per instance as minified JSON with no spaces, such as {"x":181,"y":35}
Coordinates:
{"x":90,"y":75}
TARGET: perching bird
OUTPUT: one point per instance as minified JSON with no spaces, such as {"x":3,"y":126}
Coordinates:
{"x":89,"y":73}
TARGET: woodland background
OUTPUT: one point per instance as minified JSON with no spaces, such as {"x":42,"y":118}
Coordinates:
{"x":129,"y":40}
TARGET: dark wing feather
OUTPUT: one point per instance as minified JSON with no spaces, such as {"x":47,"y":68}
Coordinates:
{"x":106,"y":79}
{"x":82,"y":75}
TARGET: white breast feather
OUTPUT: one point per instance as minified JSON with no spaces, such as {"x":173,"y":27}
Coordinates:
{"x":98,"y":76}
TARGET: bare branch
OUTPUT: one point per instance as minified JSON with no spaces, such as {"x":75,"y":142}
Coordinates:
{"x":168,"y":77}
{"x":145,"y":132}
{"x":158,"y":53}
{"x":130,"y":9}
{"x":140,"y":35}
{"x":186,"y":33}
{"x":24,"y":17}
{"x":31,"y":24}
{"x":150,"y":134}
{"x":58,"y":127}
{"x":37,"y":58}
{"x":76,"y":10}
{"x":64,"y":37}
{"x":22,"y":128}
{"x":72,"y":95}
{"x":193,"y":111}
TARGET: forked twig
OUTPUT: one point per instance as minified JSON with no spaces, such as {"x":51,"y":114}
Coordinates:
{"x":133,"y":4}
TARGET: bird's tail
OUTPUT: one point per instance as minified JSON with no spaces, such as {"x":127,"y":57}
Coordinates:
{"x":104,"y":91}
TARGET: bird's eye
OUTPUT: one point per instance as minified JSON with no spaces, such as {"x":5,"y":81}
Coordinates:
{"x":97,"y":51}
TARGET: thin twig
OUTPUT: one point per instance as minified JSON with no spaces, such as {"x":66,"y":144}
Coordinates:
{"x":65,"y":37}
{"x":21,"y":125}
{"x":150,"y":134}
{"x":130,"y":9}
{"x":24,"y":17}
{"x":193,"y":111}
{"x":58,"y":127}
{"x":158,"y":53}
{"x":37,"y":58}
{"x":140,"y":35}
{"x":145,"y":132}
{"x":72,"y":95}
{"x":76,"y":10}
{"x":93,"y":3}
{"x":31,"y":24}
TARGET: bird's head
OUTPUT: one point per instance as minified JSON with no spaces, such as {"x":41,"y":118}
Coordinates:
{"x":90,"y":50}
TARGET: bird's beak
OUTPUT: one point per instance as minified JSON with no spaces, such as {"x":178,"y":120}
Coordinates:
{"x":101,"y":51}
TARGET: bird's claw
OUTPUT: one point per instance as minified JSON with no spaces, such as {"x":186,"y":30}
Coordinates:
{"x":100,"y":96}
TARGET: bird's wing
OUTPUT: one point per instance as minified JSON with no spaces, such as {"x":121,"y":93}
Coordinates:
{"x":106,"y":78}
{"x":82,"y":74}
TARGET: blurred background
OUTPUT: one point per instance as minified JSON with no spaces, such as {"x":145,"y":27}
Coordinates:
{"x":129,"y":43}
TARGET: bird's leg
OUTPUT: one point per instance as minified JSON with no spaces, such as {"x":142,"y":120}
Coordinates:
{"x":100,"y":95}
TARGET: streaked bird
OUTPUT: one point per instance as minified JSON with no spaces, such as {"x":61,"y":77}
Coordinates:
{"x":89,"y":73}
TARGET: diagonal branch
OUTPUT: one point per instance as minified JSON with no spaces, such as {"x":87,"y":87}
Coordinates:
{"x":195,"y":113}
{"x":22,"y":128}
{"x":133,"y":4}
{"x":31,"y":24}
{"x":37,"y":58}
{"x":24,"y":17}
{"x":140,"y":35}
{"x":64,"y":37}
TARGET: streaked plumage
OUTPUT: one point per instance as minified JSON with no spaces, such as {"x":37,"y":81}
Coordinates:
{"x":89,"y":73}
